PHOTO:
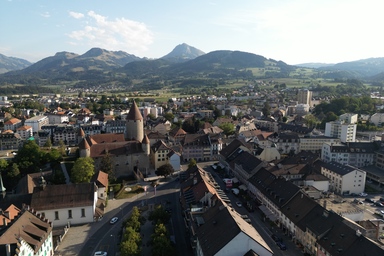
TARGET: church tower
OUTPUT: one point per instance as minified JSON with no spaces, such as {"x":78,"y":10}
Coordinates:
{"x":134,"y":125}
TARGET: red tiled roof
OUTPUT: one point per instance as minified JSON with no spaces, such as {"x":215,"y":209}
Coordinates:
{"x":24,"y":128}
{"x":13,"y":121}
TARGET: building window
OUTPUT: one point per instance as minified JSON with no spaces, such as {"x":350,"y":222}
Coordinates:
{"x":82,"y":212}
{"x":56,"y":215}
{"x":69,"y":214}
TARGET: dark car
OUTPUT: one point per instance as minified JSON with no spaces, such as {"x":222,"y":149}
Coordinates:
{"x":380,"y":204}
{"x":275,"y":238}
{"x":381,"y":199}
{"x":369,"y":200}
{"x":281,"y":245}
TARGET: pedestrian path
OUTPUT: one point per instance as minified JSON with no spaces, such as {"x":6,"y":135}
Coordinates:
{"x":64,"y":169}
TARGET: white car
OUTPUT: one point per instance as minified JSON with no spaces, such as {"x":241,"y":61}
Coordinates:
{"x":114,"y":220}
{"x":100,"y":253}
{"x":363,"y":194}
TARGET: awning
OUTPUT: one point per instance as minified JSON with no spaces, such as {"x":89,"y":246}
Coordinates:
{"x":243,"y":187}
{"x":268,"y":213}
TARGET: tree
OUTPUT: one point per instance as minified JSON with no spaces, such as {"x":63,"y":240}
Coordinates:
{"x":169,"y":116}
{"x":106,"y":165}
{"x":165,"y":170}
{"x":29,"y":157}
{"x":14,"y":172}
{"x":266,"y":109}
{"x":48,"y":143}
{"x":228,"y":128}
{"x":62,"y":147}
{"x":3,"y":165}
{"x":151,"y":116}
{"x":192,"y":162}
{"x":83,"y":170}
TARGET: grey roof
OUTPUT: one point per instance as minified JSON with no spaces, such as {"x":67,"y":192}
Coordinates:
{"x":340,"y":169}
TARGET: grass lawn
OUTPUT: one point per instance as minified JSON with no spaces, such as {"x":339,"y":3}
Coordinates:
{"x":130,"y":191}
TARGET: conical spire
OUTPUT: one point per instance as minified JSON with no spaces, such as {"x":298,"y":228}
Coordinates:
{"x":134,"y":113}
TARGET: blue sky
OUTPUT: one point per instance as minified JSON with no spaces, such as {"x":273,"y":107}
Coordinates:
{"x":294,"y":31}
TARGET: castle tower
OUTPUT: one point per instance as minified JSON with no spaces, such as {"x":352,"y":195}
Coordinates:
{"x":84,"y":148}
{"x":80,"y":134}
{"x":146,"y":145}
{"x":134,"y":124}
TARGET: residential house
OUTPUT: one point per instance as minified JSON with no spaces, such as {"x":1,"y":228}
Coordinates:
{"x":357,"y":154}
{"x":28,"y":234}
{"x":36,"y":123}
{"x":244,"y":165}
{"x":344,"y":179}
{"x":315,"y":143}
{"x":114,"y":126}
{"x":10,"y":140}
{"x":57,"y":118}
{"x":12,"y":124}
{"x":25,"y":132}
{"x":196,"y":146}
{"x":286,"y":143}
{"x":65,"y":133}
{"x":159,"y":154}
{"x":101,"y":181}
{"x":176,"y":135}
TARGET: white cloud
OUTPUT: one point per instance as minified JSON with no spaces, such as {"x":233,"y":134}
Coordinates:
{"x":118,"y":34}
{"x":45,"y":14}
{"x":76,"y":15}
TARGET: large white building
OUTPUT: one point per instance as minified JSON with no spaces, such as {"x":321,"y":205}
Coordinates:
{"x":344,"y":179}
{"x":37,"y":122}
{"x":377,"y":119}
{"x":344,"y":131}
{"x":353,"y":153}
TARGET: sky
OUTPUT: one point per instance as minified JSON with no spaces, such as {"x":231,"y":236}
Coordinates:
{"x":293,"y":31}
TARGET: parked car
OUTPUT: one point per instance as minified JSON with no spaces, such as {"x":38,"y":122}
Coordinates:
{"x":381,"y":199}
{"x":379,"y":204}
{"x":239,"y":204}
{"x":281,"y":245}
{"x":100,"y":253}
{"x":275,"y":238}
{"x":113,"y":220}
{"x":363,"y":194}
{"x":369,"y":200}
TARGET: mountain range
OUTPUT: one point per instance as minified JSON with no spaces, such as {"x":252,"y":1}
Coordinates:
{"x":184,"y":60}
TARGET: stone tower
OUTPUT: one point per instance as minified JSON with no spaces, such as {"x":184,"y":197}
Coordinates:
{"x":84,"y":148}
{"x":146,"y":145}
{"x":134,"y":124}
